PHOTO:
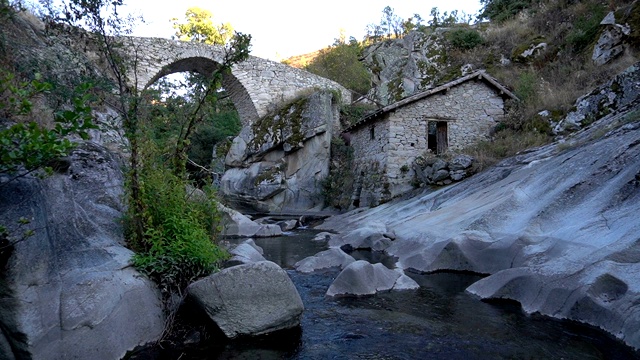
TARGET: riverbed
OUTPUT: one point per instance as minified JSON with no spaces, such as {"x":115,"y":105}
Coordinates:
{"x":438,"y":321}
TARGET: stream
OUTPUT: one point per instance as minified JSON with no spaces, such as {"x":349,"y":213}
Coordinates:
{"x":438,"y":321}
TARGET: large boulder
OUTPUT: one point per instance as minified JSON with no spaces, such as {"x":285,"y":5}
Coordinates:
{"x":362,"y":278}
{"x":246,"y":252}
{"x":324,"y":260}
{"x":69,"y":291}
{"x":237,"y":225}
{"x":251,"y":299}
{"x":277,"y":162}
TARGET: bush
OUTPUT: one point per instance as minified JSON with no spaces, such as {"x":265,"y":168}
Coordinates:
{"x":337,"y":187}
{"x":502,"y":10}
{"x":178,"y":246}
{"x":350,"y":114}
{"x":465,"y":39}
{"x":585,"y":28}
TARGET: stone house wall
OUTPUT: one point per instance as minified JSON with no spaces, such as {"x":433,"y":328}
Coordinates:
{"x":470,"y":110}
{"x":370,"y":161}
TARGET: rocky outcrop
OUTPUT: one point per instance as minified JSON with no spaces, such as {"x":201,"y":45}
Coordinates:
{"x":609,"y":45}
{"x":556,"y":227}
{"x":69,"y":291}
{"x":251,"y":299}
{"x":362,"y":278}
{"x":618,"y":94}
{"x":403,"y":67}
{"x":277,"y":163}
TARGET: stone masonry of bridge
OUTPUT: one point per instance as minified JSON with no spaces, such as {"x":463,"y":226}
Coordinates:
{"x":256,"y":86}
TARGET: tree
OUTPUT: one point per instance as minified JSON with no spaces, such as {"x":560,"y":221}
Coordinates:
{"x":173,"y":235}
{"x":501,"y":10}
{"x":199,"y":27}
{"x":340,"y":63}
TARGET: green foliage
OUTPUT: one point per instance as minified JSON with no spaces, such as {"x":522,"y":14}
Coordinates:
{"x":199,"y":27}
{"x":527,"y":87}
{"x":27,"y":147}
{"x":340,"y":63}
{"x":502,"y":10}
{"x":178,"y":246}
{"x":585,"y":28}
{"x":464,"y":38}
{"x":216,"y":129}
{"x":350,"y":114}
{"x":337,"y":187}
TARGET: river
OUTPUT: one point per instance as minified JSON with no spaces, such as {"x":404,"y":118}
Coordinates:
{"x":438,"y":321}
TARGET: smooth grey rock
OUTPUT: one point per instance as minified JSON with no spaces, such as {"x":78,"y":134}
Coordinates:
{"x":288,"y":225}
{"x":323,"y":236}
{"x":405,"y":283}
{"x":246,"y":253}
{"x":334,"y":257}
{"x":251,"y":299}
{"x":362,"y":238}
{"x":268,"y":230}
{"x":69,"y":291}
{"x":235,"y":224}
{"x":362,"y":278}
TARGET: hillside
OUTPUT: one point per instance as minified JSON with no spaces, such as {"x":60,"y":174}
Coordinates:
{"x":549,"y":53}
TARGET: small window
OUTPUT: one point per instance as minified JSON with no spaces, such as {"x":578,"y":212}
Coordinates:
{"x":372,"y":132}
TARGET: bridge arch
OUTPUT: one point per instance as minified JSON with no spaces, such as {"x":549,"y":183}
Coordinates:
{"x":256,"y":86}
{"x":205,"y":66}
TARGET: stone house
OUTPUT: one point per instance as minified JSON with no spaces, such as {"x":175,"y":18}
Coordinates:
{"x":446,"y":118}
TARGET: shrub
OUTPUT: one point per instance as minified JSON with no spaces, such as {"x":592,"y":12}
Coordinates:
{"x":502,"y":10}
{"x":350,"y":114}
{"x":465,"y":39}
{"x":178,"y":246}
{"x":585,"y":28}
{"x":337,"y":187}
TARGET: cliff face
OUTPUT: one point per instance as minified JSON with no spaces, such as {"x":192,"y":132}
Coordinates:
{"x":556,"y":228}
{"x":402,"y":67}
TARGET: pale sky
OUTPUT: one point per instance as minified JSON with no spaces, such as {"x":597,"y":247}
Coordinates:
{"x":283,"y":28}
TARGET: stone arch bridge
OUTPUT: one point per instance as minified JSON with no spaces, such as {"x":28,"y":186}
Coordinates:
{"x":256,"y":86}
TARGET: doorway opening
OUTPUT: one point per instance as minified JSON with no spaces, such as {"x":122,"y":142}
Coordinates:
{"x":437,"y":137}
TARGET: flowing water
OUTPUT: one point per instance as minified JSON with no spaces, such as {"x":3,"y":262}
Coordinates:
{"x":438,"y":321}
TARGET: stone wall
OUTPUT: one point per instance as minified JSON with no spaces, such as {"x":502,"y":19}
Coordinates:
{"x":370,"y":159}
{"x":470,"y":109}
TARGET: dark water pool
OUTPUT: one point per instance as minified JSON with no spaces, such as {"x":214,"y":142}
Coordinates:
{"x":438,"y":321}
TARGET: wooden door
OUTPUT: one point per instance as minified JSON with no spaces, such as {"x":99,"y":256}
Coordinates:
{"x":441,"y":137}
